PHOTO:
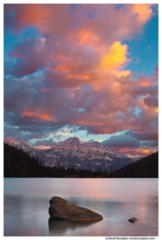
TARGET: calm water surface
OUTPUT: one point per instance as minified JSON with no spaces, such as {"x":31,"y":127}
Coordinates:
{"x":26,"y":203}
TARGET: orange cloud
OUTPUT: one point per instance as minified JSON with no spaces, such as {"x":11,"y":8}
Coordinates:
{"x":88,"y":38}
{"x":35,"y":14}
{"x":103,"y":124}
{"x":116,"y":57}
{"x":83,"y":77}
{"x":138,"y":151}
{"x":115,"y":61}
{"x":34,"y":115}
{"x":62,"y":68}
{"x":143,"y":12}
{"x":70,"y":68}
{"x":143,"y":81}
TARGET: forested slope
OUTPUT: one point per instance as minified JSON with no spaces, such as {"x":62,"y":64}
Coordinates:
{"x":145,"y":167}
{"x":18,"y":163}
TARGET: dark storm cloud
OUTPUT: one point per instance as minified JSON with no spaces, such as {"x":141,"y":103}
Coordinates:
{"x":28,"y":56}
{"x":129,"y":143}
{"x":122,"y":141}
{"x":151,"y":101}
{"x":150,"y":144}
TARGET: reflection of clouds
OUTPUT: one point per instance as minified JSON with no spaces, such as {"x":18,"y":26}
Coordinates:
{"x":98,"y":189}
{"x":60,"y":227}
{"x":23,"y":216}
{"x":112,"y":189}
{"x":143,"y":208}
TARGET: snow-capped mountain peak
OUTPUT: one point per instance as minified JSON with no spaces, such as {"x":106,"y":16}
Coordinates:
{"x":73,"y":152}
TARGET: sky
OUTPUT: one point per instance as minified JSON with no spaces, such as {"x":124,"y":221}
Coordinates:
{"x":82,"y":70}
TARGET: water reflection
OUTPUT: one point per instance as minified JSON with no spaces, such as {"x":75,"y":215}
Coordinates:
{"x":26,"y":203}
{"x":121,"y":189}
{"x":59,"y":227}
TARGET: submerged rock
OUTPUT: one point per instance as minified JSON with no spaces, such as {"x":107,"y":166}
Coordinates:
{"x":133,"y":219}
{"x":61,"y":209}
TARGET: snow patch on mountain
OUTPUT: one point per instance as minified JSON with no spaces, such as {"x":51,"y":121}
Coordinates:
{"x":43,"y":147}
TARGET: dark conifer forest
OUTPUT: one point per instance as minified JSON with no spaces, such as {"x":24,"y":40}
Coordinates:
{"x":146,"y":167}
{"x":18,"y":163}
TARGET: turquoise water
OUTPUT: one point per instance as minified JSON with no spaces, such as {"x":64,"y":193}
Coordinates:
{"x":26,"y":203}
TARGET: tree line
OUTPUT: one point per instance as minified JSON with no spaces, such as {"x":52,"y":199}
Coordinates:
{"x":18,"y":163}
{"x":146,"y":167}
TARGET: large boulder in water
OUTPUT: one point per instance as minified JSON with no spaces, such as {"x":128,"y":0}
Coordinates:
{"x":61,"y":209}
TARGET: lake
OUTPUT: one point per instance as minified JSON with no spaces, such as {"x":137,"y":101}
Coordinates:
{"x":26,"y":203}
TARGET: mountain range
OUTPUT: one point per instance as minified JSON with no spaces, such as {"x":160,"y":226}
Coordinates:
{"x":73,"y":152}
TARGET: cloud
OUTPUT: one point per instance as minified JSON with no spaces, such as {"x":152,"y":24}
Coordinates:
{"x":64,"y":134}
{"x":45,"y":17}
{"x":151,"y":101}
{"x":116,"y":59}
{"x":142,"y":12}
{"x":93,"y":140}
{"x":122,"y":141}
{"x":128,"y":143}
{"x":73,"y":63}
{"x":27,"y":15}
{"x":65,"y":129}
{"x":150,"y":144}
{"x":30,"y":56}
{"x":34,"y":115}
{"x":103,"y":112}
{"x":37,"y":137}
{"x":43,"y":142}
